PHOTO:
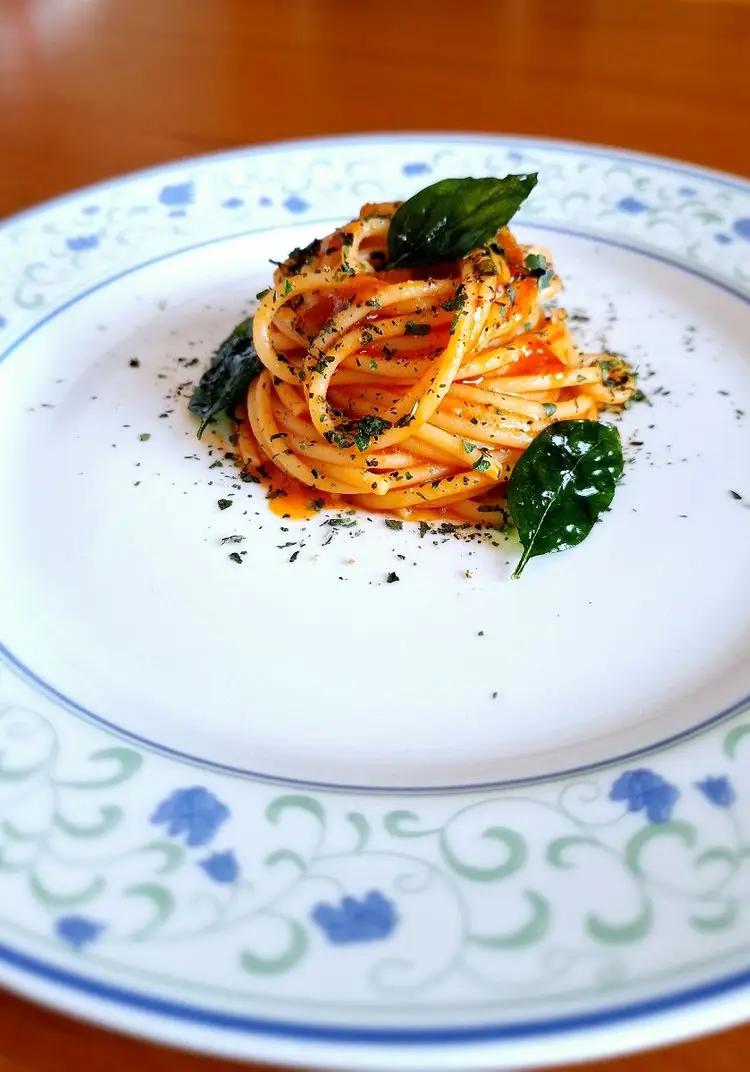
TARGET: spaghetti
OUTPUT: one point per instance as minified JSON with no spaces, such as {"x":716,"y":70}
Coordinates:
{"x":413,"y":391}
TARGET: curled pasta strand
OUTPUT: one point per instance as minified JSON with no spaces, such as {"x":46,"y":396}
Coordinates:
{"x":413,"y":391}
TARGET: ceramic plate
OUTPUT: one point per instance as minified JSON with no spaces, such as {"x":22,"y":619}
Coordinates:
{"x":282,"y":809}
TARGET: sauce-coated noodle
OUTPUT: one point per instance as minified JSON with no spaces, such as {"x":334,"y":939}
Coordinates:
{"x":412,"y":391}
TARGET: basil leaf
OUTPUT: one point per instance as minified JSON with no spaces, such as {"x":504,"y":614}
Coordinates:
{"x":561,"y":484}
{"x":221,"y":386}
{"x":450,"y":218}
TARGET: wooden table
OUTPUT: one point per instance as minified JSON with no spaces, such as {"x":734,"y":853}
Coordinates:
{"x":90,"y":89}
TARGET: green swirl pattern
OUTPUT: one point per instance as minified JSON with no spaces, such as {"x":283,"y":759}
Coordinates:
{"x":515,"y":894}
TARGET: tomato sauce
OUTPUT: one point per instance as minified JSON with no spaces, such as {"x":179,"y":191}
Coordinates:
{"x":538,"y":358}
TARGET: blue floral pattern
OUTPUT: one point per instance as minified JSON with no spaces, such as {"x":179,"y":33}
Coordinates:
{"x":367,"y":920}
{"x":79,"y":243}
{"x":644,"y":790}
{"x":78,"y":931}
{"x":195,"y":812}
{"x":221,"y":867}
{"x":718,"y":790}
{"x":742,"y":228}
{"x":177,"y":194}
{"x":632,"y":205}
{"x":296,"y":204}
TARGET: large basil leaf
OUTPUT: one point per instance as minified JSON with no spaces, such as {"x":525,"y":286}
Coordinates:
{"x":223,"y":383}
{"x":450,"y":218}
{"x":561,"y":484}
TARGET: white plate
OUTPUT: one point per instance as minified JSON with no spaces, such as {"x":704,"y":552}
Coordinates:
{"x":196,"y":756}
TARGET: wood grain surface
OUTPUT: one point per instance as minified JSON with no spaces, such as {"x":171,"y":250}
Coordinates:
{"x":92,"y":88}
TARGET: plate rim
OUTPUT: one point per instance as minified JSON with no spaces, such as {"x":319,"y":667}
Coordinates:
{"x":274,"y":145}
{"x":616,"y":1030}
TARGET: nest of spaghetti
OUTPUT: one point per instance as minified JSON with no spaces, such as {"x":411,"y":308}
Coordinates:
{"x":413,"y":391}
